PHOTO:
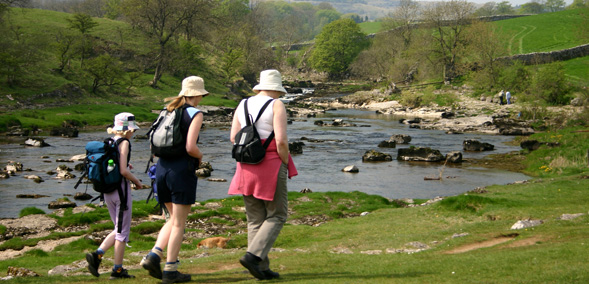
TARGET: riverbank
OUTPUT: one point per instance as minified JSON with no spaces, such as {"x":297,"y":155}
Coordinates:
{"x":366,"y":238}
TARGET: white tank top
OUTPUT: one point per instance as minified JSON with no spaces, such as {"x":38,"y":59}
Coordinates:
{"x":265,"y":124}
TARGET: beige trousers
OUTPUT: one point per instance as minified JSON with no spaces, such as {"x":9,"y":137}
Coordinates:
{"x":265,"y":219}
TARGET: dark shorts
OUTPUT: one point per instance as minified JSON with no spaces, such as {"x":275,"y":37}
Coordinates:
{"x":176,"y":180}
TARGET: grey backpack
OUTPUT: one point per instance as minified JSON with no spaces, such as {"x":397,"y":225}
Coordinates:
{"x":165,"y":135}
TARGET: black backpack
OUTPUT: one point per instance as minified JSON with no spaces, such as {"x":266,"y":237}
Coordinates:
{"x":248,"y":146}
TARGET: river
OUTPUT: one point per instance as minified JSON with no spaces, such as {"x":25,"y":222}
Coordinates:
{"x":319,"y":166}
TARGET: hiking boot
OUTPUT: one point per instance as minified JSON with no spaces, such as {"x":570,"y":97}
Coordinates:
{"x":251,"y":262}
{"x":175,"y":277}
{"x":93,"y":260}
{"x":269,"y":274}
{"x":121,"y":273}
{"x":151,"y":263}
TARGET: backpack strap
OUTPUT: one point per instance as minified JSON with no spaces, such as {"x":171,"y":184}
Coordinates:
{"x":248,"y":117}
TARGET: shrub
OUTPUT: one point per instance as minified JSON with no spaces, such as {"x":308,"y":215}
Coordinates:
{"x":549,"y":83}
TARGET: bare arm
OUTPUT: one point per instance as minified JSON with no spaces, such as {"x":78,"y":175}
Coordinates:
{"x":235,"y":127}
{"x":124,"y":170}
{"x":193,"y":131}
{"x":279,"y":122}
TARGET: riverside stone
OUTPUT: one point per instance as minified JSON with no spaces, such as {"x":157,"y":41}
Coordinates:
{"x":421,"y":154}
{"x":36,"y":142}
{"x":351,"y":169}
{"x":400,"y":138}
{"x":475,"y":145}
{"x":375,"y":156}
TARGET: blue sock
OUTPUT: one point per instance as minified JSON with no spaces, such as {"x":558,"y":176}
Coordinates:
{"x":99,"y":251}
{"x":159,"y":249}
{"x":117,"y":266}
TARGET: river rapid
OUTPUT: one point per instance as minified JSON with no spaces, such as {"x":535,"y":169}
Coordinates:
{"x":319,"y":166}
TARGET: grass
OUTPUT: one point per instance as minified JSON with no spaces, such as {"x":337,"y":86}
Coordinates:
{"x":553,"y":252}
{"x":370,"y":27}
{"x":543,"y":32}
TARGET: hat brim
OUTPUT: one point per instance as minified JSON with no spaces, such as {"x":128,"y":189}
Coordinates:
{"x":261,"y":87}
{"x":193,"y":93}
{"x":124,"y":128}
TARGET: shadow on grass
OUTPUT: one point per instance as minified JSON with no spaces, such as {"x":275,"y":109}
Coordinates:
{"x":315,"y":277}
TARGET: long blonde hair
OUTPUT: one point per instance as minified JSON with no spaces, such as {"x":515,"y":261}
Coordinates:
{"x":176,"y":102}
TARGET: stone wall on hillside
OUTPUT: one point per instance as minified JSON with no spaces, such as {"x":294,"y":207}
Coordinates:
{"x":547,"y":57}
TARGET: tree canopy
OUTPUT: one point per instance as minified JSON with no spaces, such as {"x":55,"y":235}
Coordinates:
{"x":337,"y":46}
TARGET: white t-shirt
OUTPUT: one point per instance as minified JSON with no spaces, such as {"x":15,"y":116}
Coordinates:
{"x":265,"y":124}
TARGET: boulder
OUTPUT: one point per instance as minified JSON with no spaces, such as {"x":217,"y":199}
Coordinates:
{"x":351,"y":169}
{"x":475,"y":145}
{"x":61,"y":203}
{"x":64,"y":132}
{"x":522,"y":224}
{"x":400,"y":138}
{"x":421,"y":154}
{"x":36,"y":142}
{"x":375,"y":156}
{"x":530,"y":145}
{"x":206,"y":165}
{"x":35,"y":178}
{"x":64,"y":172}
{"x":203,"y":172}
{"x":12,"y":167}
{"x":454,"y":157}
{"x":82,"y":196}
{"x":447,"y":114}
{"x":296,"y":147}
{"x":387,"y":144}
{"x":33,"y":196}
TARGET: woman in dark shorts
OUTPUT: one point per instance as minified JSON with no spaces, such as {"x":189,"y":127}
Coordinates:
{"x":176,"y":184}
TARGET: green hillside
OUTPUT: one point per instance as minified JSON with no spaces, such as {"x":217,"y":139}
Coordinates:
{"x":542,"y":33}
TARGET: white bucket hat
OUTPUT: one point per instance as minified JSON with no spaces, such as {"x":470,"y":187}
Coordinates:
{"x":125,"y":121}
{"x":193,"y":86}
{"x":270,"y":80}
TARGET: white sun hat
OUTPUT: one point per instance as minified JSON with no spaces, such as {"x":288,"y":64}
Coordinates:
{"x":193,"y":86}
{"x":125,"y":121}
{"x":270,"y":80}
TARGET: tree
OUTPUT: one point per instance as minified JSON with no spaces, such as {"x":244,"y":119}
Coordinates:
{"x":504,"y":8}
{"x":579,"y":4}
{"x":532,"y":8}
{"x":449,"y":20}
{"x":64,"y":47}
{"x":83,"y":23}
{"x":488,"y":9}
{"x":104,"y":70}
{"x":485,"y":45}
{"x":163,"y":20}
{"x":555,"y":5}
{"x":337,"y":46}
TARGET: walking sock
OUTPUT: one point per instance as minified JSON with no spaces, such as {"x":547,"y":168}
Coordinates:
{"x":116,"y":267}
{"x":100,"y":252}
{"x":157,"y":251}
{"x":170,"y":267}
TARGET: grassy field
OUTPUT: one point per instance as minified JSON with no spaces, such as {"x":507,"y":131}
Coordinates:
{"x":543,"y":32}
{"x":370,"y":27}
{"x":462,"y":239}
